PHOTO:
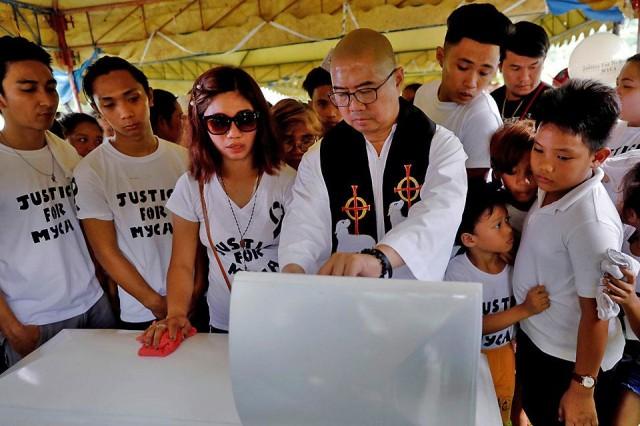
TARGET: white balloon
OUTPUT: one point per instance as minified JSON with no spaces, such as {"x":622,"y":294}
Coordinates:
{"x":599,"y":57}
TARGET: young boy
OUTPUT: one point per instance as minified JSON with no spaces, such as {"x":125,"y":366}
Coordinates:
{"x":626,"y":136}
{"x":469,"y":61}
{"x":47,"y":280}
{"x":318,"y":86}
{"x":486,"y":236}
{"x":565,"y":353}
{"x":123,"y":186}
{"x":510,"y":164}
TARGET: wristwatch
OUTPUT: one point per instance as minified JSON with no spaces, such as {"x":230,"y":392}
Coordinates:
{"x":587,"y":381}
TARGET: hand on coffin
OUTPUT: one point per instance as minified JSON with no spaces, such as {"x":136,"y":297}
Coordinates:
{"x":172,"y":325}
{"x":352,"y":265}
{"x":25,"y":339}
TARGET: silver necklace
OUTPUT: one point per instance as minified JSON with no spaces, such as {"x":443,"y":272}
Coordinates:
{"x":504,"y":103}
{"x":243,"y":243}
{"x":51,"y":175}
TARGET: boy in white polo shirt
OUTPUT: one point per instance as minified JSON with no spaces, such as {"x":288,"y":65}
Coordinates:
{"x":123,"y":186}
{"x":47,"y":279}
{"x":469,"y":60}
{"x":565,"y":353}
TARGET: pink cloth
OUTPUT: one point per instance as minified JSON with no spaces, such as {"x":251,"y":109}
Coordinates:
{"x":166,"y":345}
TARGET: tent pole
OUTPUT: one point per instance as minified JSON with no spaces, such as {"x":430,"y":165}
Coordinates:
{"x":59,"y":24}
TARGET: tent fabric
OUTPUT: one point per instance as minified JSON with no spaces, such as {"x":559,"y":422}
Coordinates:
{"x":277,"y":41}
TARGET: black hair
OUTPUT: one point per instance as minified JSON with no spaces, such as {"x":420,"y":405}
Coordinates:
{"x":104,"y":66}
{"x":412,"y":86}
{"x":70,"y":121}
{"x":585,"y":108}
{"x":57,"y":129}
{"x":634,"y":58}
{"x":316,"y":77}
{"x":482,"y":198}
{"x":14,"y":49}
{"x":631,"y":192}
{"x":480,"y":22}
{"x":526,"y":39}
{"x":164,"y":105}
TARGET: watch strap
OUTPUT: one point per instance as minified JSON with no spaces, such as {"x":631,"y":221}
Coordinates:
{"x":582,"y":379}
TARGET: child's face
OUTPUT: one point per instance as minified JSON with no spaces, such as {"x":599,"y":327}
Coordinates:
{"x":492,"y":232}
{"x":560,"y":160}
{"x":520,"y":183}
{"x":85,"y":138}
{"x":628,"y":88}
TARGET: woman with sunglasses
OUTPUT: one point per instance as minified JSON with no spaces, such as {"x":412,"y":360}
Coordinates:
{"x":298,"y":127}
{"x":232,"y":198}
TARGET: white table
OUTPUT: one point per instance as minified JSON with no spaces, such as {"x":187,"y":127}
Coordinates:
{"x":95,"y":377}
{"x":305,"y":350}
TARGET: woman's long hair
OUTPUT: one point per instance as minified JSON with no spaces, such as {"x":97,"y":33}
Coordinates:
{"x":205,"y":159}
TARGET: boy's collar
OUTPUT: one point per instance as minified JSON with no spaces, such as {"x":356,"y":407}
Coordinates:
{"x":572,"y":196}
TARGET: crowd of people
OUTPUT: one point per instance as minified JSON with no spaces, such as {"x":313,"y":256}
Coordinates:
{"x":142,"y":215}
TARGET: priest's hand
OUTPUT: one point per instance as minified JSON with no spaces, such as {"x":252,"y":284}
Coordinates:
{"x":352,"y":265}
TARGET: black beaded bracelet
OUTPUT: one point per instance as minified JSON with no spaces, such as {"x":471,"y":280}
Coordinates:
{"x":387,"y":270}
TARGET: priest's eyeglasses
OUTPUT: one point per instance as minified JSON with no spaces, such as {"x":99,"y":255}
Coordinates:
{"x":365,"y":96}
{"x":220,"y":124}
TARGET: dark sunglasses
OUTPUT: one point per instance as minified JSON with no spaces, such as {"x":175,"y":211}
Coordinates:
{"x":219,"y":124}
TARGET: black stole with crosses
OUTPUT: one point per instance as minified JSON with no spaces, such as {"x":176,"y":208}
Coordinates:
{"x":345,"y":169}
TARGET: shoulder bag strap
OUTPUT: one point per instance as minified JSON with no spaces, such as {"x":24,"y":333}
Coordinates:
{"x":211,"y":243}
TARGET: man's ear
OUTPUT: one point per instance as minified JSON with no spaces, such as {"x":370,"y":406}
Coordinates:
{"x":150,"y":96}
{"x":440,"y":55}
{"x":468,"y":240}
{"x":600,"y":156}
{"x":3,"y":101}
{"x":399,"y":78}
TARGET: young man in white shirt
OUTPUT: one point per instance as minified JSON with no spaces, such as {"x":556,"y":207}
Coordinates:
{"x":355,"y":190}
{"x":47,"y":279}
{"x":123,"y":186}
{"x":521,"y":62}
{"x":469,"y":60}
{"x":566,"y":353}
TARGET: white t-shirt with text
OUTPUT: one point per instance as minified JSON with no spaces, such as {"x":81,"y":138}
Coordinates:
{"x":46,"y":273}
{"x":623,"y":139}
{"x":497,"y":294}
{"x":132,"y":192}
{"x":261,"y":217}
